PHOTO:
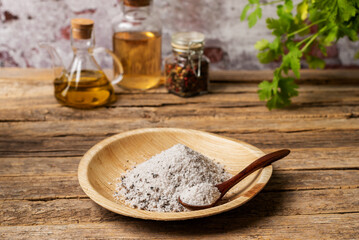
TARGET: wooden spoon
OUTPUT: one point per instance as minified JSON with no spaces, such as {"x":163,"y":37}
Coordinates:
{"x":225,"y":186}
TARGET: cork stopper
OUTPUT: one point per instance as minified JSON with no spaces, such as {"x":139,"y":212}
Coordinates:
{"x":137,"y":3}
{"x":81,"y":28}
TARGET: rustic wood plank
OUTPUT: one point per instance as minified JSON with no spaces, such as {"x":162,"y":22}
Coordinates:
{"x":57,"y":112}
{"x":239,"y":87}
{"x":302,"y":158}
{"x":307,"y":75}
{"x":39,"y":85}
{"x":61,"y":144}
{"x":26,"y":73}
{"x":316,"y":179}
{"x":67,"y":211}
{"x":67,"y":186}
{"x":38,"y":166}
{"x":235,"y":227}
{"x":215,"y":99}
{"x":212,"y":124}
{"x":302,"y":139}
{"x":326,"y":76}
{"x":40,"y":187}
{"x":319,"y":158}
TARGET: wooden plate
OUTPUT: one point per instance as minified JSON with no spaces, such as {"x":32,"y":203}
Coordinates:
{"x":105,"y":161}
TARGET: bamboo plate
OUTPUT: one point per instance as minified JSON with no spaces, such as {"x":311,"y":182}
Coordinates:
{"x":105,"y":162}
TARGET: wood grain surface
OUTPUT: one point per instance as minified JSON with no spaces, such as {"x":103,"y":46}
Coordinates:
{"x":314,"y":194}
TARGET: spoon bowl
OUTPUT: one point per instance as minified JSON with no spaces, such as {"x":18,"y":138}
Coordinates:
{"x":224,"y":187}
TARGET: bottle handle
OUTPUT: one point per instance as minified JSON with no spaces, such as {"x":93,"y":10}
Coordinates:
{"x":118,"y":75}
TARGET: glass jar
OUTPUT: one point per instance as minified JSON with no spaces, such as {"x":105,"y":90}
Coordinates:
{"x":187,"y":69}
{"x":137,"y":43}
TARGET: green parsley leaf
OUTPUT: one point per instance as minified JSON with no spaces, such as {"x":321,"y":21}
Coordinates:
{"x":254,"y":1}
{"x":315,"y":62}
{"x":288,"y":89}
{"x":288,"y":5}
{"x":266,"y":56}
{"x":330,"y":36}
{"x":302,"y":10}
{"x":294,"y":38}
{"x":262,"y":44}
{"x":254,"y":16}
{"x":279,"y":27}
{"x":265,"y":90}
{"x":278,"y":96}
{"x":322,"y":49}
{"x":351,"y":33}
{"x":244,"y":12}
{"x":292,"y":59}
{"x":275,"y":45}
{"x":346,"y":9}
{"x":274,"y":102}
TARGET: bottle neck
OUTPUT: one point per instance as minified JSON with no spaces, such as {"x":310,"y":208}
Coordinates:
{"x":135,"y":13}
{"x":81,"y":46}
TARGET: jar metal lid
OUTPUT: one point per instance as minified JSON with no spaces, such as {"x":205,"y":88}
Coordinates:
{"x":188,"y":40}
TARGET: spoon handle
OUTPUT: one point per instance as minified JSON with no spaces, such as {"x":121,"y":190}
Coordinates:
{"x":257,"y":164}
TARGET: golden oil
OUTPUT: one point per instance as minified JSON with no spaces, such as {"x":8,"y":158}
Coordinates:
{"x":140,"y":55}
{"x":85,"y":89}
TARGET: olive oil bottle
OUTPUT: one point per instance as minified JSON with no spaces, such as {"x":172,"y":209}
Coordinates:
{"x":84,"y":84}
{"x":137,"y":43}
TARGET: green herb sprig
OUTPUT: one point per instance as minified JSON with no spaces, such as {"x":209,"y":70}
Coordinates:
{"x":293,"y":40}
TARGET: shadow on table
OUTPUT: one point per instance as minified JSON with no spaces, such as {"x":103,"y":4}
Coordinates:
{"x":252,"y":214}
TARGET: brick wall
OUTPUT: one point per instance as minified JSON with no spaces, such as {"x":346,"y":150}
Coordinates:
{"x":229,"y":42}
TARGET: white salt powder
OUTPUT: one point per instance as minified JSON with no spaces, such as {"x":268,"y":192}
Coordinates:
{"x":201,"y":194}
{"x":156,"y":184}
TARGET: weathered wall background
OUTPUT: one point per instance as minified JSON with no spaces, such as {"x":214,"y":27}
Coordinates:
{"x":25,"y":23}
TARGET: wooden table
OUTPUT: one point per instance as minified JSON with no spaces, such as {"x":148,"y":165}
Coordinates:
{"x":313,"y":193}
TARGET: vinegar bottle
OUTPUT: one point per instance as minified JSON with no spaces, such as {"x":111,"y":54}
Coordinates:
{"x":137,"y":43}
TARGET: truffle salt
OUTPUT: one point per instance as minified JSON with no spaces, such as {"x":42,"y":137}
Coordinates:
{"x":201,"y":194}
{"x":156,"y":184}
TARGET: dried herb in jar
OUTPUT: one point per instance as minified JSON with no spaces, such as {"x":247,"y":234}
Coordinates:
{"x":183,"y":80}
{"x":187,"y":69}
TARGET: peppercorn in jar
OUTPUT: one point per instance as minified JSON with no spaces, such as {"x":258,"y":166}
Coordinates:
{"x":187,"y":69}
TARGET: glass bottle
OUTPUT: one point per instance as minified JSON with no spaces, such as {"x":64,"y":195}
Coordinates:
{"x":137,"y":43}
{"x":83,"y":84}
{"x":187,"y":69}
